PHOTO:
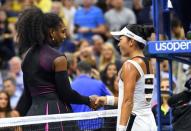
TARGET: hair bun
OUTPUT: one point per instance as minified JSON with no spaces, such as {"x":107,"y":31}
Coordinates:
{"x":147,"y":31}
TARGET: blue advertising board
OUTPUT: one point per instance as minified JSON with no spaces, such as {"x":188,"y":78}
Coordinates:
{"x":169,"y":47}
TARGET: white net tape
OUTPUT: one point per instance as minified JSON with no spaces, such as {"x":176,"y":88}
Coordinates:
{"x":29,"y":120}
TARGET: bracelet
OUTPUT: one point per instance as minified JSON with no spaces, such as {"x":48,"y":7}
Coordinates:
{"x":110,"y":100}
{"x":121,"y":128}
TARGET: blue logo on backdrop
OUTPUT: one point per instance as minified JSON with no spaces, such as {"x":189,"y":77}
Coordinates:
{"x":169,"y":47}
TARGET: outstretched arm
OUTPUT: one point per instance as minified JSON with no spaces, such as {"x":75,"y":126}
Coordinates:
{"x":106,"y":100}
{"x":63,"y":86}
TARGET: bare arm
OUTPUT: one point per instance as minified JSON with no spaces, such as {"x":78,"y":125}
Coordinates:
{"x":129,"y":76}
{"x":99,"y":29}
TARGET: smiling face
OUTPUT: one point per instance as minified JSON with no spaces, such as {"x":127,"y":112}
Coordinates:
{"x":111,"y":71}
{"x":165,"y":88}
{"x":59,"y":34}
{"x":9,"y":87}
{"x":118,"y":4}
{"x":3,"y":100}
{"x":15,"y":65}
{"x":87,"y":3}
{"x":56,"y":7}
{"x":107,"y":52}
{"x":124,"y":46}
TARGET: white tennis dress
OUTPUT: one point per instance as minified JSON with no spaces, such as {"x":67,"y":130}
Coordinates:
{"x":144,"y":120}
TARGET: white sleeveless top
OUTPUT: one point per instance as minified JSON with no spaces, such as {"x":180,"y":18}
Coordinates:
{"x":140,"y":102}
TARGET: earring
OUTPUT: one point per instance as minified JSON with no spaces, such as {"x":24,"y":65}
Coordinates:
{"x":52,"y":35}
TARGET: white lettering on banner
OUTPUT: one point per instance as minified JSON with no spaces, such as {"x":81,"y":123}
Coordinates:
{"x":173,"y":46}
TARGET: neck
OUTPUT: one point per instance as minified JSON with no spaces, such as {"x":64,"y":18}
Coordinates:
{"x":87,"y":7}
{"x":68,"y":6}
{"x":84,"y":74}
{"x":106,"y":60}
{"x":136,"y":53}
{"x":118,"y":8}
{"x":165,"y":101}
{"x":38,"y":1}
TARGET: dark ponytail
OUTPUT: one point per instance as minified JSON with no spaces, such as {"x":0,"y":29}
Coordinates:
{"x":142,"y":31}
{"x":147,"y":31}
{"x":33,"y":28}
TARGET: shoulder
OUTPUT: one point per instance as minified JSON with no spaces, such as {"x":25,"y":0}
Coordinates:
{"x":60,"y":59}
{"x":99,"y":82}
{"x":51,"y":49}
{"x":96,"y":9}
{"x":128,"y":65}
{"x":47,"y":57}
{"x":76,"y":81}
{"x":48,"y":53}
{"x":127,"y":10}
{"x":60,"y":63}
{"x":139,"y":61}
{"x":129,"y":69}
{"x":143,"y":63}
{"x":79,"y":10}
{"x":109,"y":12}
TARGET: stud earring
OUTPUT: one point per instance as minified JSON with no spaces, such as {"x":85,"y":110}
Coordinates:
{"x":53,"y":38}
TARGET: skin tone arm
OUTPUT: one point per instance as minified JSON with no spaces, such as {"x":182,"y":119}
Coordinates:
{"x":60,"y":64}
{"x":129,"y":76}
{"x":99,"y":29}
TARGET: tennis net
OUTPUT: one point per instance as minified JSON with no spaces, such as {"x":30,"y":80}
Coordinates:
{"x":84,"y":121}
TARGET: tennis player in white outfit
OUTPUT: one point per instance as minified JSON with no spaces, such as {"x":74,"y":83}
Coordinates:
{"x":135,"y":83}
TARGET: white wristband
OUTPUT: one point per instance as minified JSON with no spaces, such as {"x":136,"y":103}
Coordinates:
{"x":121,"y":128}
{"x":110,"y":100}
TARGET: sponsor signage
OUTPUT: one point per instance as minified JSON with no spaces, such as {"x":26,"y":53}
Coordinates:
{"x":169,"y":47}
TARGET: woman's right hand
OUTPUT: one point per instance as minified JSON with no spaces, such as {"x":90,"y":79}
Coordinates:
{"x":101,"y":101}
{"x":95,"y":74}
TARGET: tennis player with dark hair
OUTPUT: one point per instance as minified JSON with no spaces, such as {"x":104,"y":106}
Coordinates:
{"x":47,"y":89}
{"x":135,"y":83}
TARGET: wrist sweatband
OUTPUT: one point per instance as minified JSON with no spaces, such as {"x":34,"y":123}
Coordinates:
{"x":110,"y":100}
{"x":121,"y":128}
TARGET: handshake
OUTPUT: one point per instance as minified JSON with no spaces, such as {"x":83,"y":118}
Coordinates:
{"x":97,"y":101}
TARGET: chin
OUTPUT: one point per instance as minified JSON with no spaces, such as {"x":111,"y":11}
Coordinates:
{"x":123,"y":54}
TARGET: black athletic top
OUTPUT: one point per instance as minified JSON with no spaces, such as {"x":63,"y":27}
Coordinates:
{"x":44,"y":87}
